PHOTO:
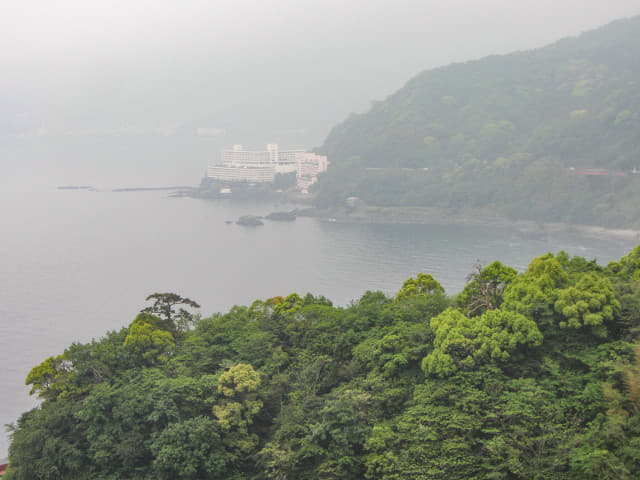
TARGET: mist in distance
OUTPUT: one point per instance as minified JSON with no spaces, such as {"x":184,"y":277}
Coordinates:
{"x":243,"y":71}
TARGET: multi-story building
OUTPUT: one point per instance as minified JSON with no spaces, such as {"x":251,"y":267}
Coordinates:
{"x":309,"y":165}
{"x":239,"y":157}
{"x":272,"y":155}
{"x":255,"y":166}
{"x":249,"y":174}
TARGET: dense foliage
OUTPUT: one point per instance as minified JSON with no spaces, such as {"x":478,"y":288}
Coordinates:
{"x":502,"y":135}
{"x":541,"y":381}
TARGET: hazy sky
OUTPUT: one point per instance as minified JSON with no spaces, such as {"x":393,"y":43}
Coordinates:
{"x":278,"y":66}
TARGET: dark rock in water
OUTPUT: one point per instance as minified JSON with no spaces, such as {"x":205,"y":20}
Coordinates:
{"x":228,"y":222}
{"x":249,"y":221}
{"x":281,"y":216}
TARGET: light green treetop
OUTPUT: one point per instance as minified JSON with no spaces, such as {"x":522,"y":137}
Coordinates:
{"x":464,"y":343}
{"x":48,"y":379}
{"x":589,"y":303}
{"x":535,"y":291}
{"x":423,"y":284}
{"x":235,"y":411}
{"x":485,"y":288}
{"x":629,"y":265}
{"x":241,"y":378}
{"x":145,"y":337}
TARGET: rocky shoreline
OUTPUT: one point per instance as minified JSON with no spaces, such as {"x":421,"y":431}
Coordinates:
{"x":429,"y":216}
{"x":413,"y":215}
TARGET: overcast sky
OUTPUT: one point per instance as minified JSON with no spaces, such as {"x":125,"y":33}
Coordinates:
{"x":275,"y":65}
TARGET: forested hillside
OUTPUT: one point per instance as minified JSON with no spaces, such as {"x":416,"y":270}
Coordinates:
{"x":520,"y":376}
{"x":507,"y":135}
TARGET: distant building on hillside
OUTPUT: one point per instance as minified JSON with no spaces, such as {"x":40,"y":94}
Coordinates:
{"x":261,"y":166}
{"x":309,"y":165}
{"x":245,"y":173}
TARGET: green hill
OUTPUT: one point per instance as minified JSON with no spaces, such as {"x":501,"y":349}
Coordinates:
{"x":503,"y":135}
{"x":521,"y":376}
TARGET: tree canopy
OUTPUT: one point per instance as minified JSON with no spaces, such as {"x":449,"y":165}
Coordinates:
{"x":542,"y":381}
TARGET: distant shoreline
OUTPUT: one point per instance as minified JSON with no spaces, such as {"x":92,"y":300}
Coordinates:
{"x":151,"y":189}
{"x":432,"y":216}
{"x":408,"y":215}
{"x":176,"y":189}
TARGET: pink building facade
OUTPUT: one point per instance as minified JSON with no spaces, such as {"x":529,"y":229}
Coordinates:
{"x":309,"y":165}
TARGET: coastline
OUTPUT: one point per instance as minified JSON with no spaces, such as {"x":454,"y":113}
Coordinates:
{"x":434,"y":216}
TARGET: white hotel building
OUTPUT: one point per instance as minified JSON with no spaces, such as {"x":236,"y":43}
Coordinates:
{"x":260,"y":166}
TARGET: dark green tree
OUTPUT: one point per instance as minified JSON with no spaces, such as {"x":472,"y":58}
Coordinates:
{"x":164,"y":305}
{"x":191,"y":450}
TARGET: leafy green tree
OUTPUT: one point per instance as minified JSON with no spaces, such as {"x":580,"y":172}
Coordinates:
{"x":548,"y":265}
{"x":153,"y":344}
{"x":591,"y":302}
{"x":607,"y":449}
{"x":47,"y":444}
{"x":530,"y":431}
{"x":438,"y":435}
{"x":632,"y":381}
{"x":535,"y":291}
{"x":464,"y":343}
{"x":577,"y":265}
{"x":485,"y":288}
{"x":72,"y":374}
{"x":49,"y":379}
{"x":98,"y":360}
{"x":177,"y":321}
{"x":238,"y":406}
{"x":191,"y":450}
{"x":392,"y":350}
{"x":423,"y":284}
{"x":338,"y":436}
{"x":290,"y":305}
{"x":629,"y":265}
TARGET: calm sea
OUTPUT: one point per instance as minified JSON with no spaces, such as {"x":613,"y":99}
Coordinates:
{"x":74,"y":264}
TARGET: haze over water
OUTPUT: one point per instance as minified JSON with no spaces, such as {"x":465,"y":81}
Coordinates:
{"x":110,"y":94}
{"x":75,"y":264}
